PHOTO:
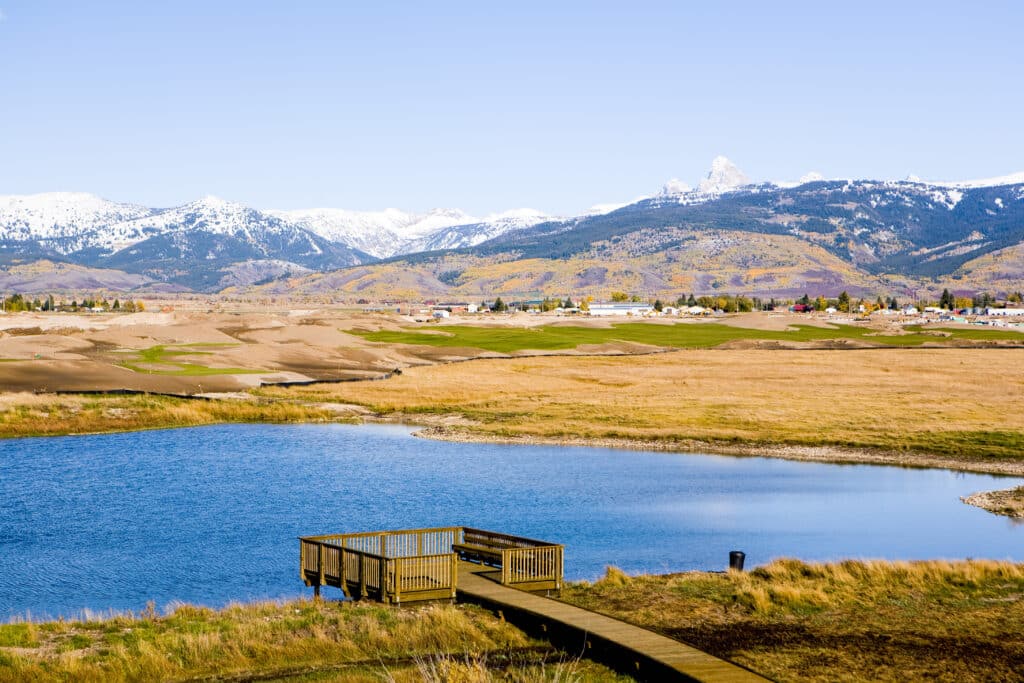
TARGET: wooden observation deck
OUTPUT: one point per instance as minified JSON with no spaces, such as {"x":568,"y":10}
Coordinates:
{"x":422,"y":564}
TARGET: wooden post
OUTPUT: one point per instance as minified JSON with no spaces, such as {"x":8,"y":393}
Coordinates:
{"x":321,"y":566}
{"x":362,"y":576}
{"x":455,"y":573}
{"x":398,"y":580}
{"x":341,"y":571}
{"x":505,"y":555}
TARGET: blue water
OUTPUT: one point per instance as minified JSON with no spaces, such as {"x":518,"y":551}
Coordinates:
{"x":211,"y":515}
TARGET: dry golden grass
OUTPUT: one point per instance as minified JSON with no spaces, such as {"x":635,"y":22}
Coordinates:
{"x":961,"y":403}
{"x":851,"y":621}
{"x":49,"y":415}
{"x":312,"y":640}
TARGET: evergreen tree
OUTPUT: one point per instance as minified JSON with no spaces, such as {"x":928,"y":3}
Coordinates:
{"x":117,"y":305}
{"x":947,"y":301}
{"x":844,"y":301}
{"x":499,"y":306}
{"x":658,"y":306}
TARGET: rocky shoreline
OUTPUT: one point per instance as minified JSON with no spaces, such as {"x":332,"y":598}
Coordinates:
{"x":1007,"y":502}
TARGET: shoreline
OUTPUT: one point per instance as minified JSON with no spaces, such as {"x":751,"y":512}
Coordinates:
{"x":826,"y":454}
{"x":1005,"y":502}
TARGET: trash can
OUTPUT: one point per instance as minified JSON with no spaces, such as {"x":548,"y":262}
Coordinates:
{"x":736,"y":558}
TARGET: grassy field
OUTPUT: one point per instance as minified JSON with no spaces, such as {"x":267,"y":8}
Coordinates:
{"x":955,"y":403}
{"x":679,"y":336}
{"x":296,"y":641}
{"x":852,"y":621}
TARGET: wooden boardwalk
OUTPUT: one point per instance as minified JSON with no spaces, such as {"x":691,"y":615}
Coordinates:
{"x":643,"y":654}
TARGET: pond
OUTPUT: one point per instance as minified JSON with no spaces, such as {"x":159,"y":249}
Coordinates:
{"x":210,"y":515}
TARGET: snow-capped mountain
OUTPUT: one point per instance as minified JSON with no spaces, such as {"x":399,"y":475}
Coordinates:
{"x":723,"y":177}
{"x":202,"y":244}
{"x":472,"y":234}
{"x":390,"y":232}
{"x":65,"y":222}
{"x":906,"y":226}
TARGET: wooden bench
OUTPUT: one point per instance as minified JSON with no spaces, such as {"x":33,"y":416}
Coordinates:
{"x":482,"y":554}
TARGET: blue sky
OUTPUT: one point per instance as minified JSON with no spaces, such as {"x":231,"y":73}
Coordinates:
{"x":554,"y":106}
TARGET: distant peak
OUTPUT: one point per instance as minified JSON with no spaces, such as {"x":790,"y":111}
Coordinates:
{"x":723,"y":176}
{"x":212,"y":200}
{"x":215,"y":203}
{"x":812,"y":177}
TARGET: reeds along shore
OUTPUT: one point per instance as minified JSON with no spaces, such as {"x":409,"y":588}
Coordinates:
{"x":317,"y":640}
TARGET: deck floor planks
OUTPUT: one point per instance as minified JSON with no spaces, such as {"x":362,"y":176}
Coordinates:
{"x":689,"y":662}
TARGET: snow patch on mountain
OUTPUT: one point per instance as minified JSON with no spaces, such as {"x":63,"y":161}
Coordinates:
{"x":675,"y":186}
{"x":1000,"y":181}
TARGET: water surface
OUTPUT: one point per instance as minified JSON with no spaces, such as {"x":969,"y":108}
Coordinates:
{"x":211,"y":515}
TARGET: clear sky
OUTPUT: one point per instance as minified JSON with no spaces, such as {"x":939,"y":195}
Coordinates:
{"x":489,"y":106}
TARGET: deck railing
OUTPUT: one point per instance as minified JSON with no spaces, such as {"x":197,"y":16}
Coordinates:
{"x":540,"y":564}
{"x":523,"y":560}
{"x":389,"y":566}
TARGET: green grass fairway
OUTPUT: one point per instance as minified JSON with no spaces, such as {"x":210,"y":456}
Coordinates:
{"x":164,"y":355}
{"x":679,"y":336}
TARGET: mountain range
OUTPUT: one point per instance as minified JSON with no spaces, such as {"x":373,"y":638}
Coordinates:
{"x":727,"y":234}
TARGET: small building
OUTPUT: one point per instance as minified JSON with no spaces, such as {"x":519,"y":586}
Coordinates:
{"x":631,"y":309}
{"x":670,"y":310}
{"x":1004,"y":312}
{"x":441,"y":313}
{"x":911,"y":310}
{"x":697,"y":310}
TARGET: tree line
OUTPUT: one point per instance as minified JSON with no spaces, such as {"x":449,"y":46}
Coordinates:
{"x":16,"y":303}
